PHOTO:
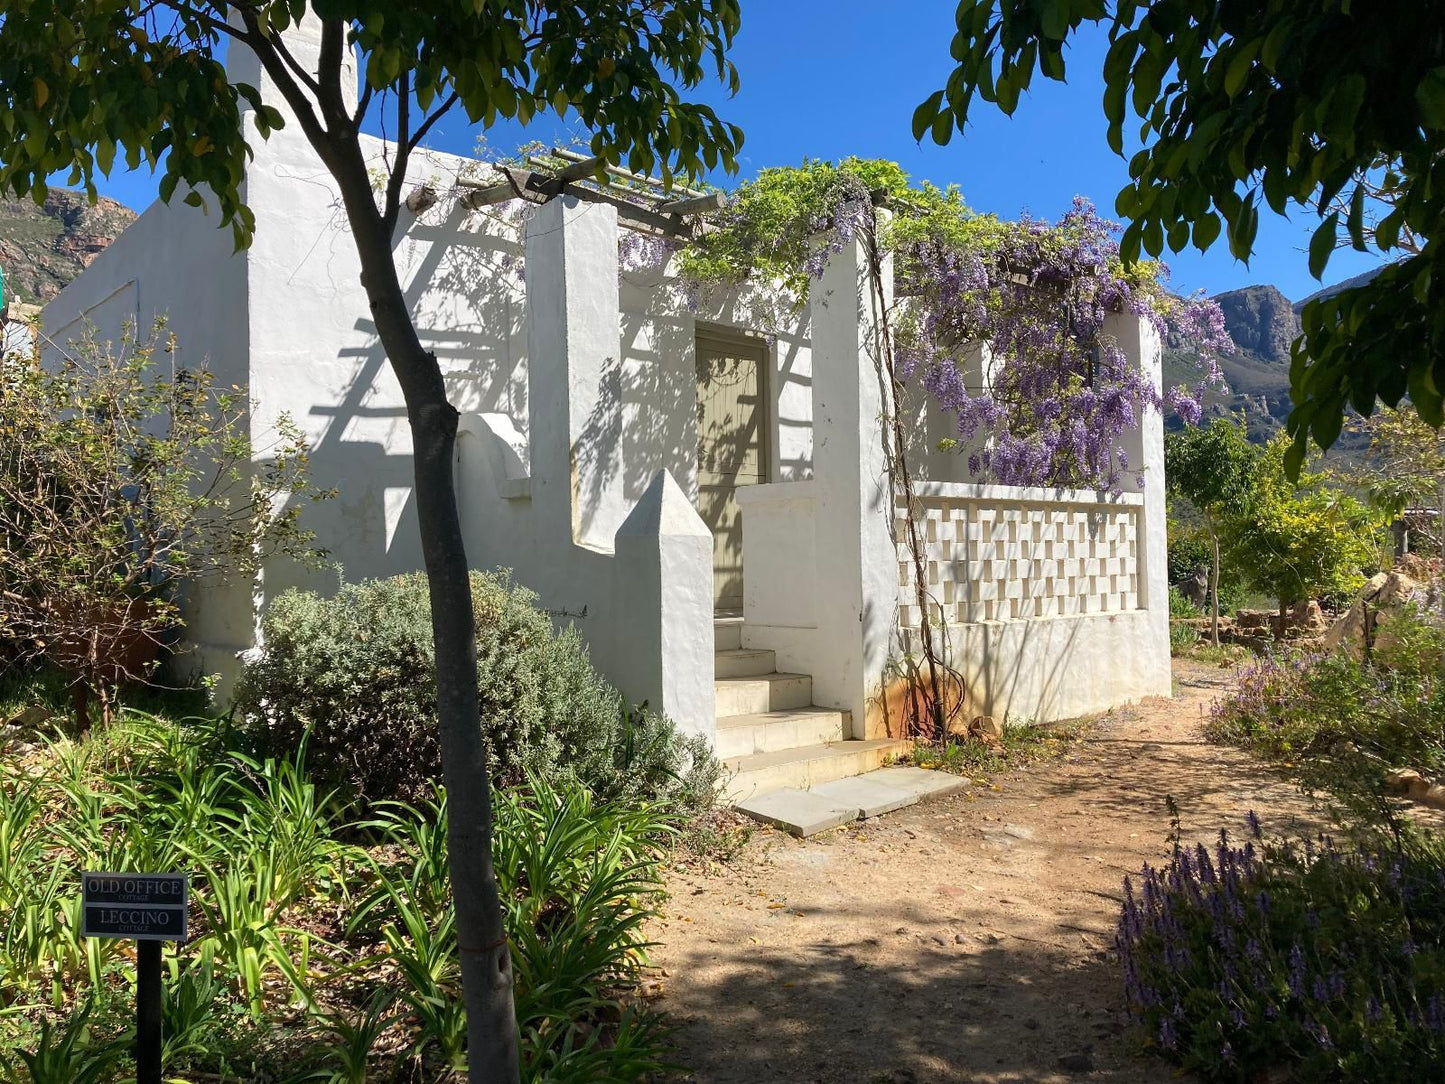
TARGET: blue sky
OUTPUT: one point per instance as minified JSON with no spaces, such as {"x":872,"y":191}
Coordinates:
{"x":829,"y":78}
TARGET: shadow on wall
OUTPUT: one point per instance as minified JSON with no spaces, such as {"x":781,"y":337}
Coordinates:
{"x":465,"y":299}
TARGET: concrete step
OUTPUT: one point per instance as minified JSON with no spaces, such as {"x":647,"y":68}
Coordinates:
{"x":744,"y":662}
{"x":767,"y":692}
{"x":806,"y":766}
{"x":827,"y":805}
{"x":770,"y":731}
{"x":727,"y":633}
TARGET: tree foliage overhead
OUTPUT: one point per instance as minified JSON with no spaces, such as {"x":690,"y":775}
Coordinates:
{"x":1244,"y":103}
{"x":83,"y":82}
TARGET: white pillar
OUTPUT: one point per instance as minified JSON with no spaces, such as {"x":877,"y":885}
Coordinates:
{"x":1144,"y":446}
{"x":857,"y":562}
{"x":303,"y":42}
{"x":662,"y":602}
{"x":574,"y":373}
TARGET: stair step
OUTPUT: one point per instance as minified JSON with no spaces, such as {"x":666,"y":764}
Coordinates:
{"x":744,"y":662}
{"x":727,"y":633}
{"x":806,"y":766}
{"x":766,"y":692}
{"x":770,"y":731}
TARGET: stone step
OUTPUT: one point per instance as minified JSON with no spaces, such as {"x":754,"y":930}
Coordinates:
{"x":768,"y":732}
{"x":727,"y":633}
{"x":806,"y":766}
{"x":744,"y":662}
{"x":827,"y":805}
{"x":767,"y":692}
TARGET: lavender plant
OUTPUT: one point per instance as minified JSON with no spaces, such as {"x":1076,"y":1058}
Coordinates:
{"x":1314,"y":956}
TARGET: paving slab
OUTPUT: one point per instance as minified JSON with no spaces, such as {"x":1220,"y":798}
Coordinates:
{"x":801,"y":812}
{"x":868,"y":796}
{"x":920,"y":782}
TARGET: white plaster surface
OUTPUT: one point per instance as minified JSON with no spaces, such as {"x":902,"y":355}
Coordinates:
{"x":576,"y":453}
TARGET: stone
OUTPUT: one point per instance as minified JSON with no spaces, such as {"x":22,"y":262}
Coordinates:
{"x":921,"y":782}
{"x":1401,"y":780}
{"x":1078,"y":1062}
{"x":1433,"y":796}
{"x":29,"y":718}
{"x":986,"y":728}
{"x":1418,"y":787}
{"x":799,"y":812}
{"x":867,"y":796}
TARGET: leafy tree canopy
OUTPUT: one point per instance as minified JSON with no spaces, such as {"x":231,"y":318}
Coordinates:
{"x":1209,"y":465}
{"x":83,"y":82}
{"x":1273,"y":102}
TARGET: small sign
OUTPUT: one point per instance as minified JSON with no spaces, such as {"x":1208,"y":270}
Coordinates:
{"x":135,"y":906}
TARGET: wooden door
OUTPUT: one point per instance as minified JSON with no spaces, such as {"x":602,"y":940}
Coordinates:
{"x":731,"y":450}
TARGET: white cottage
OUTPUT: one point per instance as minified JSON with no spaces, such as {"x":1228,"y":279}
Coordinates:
{"x":709,"y":505}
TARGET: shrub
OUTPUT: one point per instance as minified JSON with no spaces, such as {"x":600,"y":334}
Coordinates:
{"x":121,"y":475}
{"x":324,"y":949}
{"x":355,"y":675}
{"x":1323,"y":959}
{"x":1339,"y":722}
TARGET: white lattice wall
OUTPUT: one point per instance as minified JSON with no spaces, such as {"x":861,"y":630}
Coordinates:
{"x":995,"y":553}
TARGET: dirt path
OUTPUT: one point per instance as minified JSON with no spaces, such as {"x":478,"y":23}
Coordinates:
{"x":964,"y":939}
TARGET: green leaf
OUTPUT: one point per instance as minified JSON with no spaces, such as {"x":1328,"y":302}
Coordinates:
{"x":925,"y":115}
{"x":1322,"y":244}
{"x":1054,"y":19}
{"x":1206,"y":230}
{"x":1430,"y":96}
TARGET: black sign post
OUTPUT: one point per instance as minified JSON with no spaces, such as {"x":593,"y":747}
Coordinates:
{"x":147,"y":908}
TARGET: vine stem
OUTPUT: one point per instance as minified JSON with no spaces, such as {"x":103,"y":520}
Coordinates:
{"x":903,"y":481}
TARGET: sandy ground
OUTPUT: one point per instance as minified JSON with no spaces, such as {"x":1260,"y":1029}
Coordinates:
{"x":964,"y":939}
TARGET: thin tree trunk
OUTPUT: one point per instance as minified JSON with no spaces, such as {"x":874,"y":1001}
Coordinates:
{"x":486,"y":960}
{"x":1214,"y":589}
{"x":1279,"y":629}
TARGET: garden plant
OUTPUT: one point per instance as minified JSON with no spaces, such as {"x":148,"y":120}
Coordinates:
{"x":323,"y":939}
{"x":128,"y":479}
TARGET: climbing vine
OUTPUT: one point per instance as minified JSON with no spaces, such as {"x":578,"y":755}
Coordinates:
{"x":1002,"y":324}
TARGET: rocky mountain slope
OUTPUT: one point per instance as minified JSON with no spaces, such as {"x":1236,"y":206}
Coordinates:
{"x":1263,"y":323}
{"x":43,"y":247}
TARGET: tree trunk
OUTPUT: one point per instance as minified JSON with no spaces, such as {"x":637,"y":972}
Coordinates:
{"x":1214,"y":589}
{"x":486,"y":960}
{"x":1283,"y":610}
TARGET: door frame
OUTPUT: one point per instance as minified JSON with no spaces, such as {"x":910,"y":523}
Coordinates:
{"x":728,"y":335}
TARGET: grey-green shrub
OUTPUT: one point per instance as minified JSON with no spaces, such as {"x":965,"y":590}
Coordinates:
{"x":356,"y":671}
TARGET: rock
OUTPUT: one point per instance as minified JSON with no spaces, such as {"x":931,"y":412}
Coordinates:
{"x":1401,"y":780}
{"x":30,"y":718}
{"x":1433,"y":796}
{"x":1078,"y":1062}
{"x":1306,"y":618}
{"x":1418,"y":787}
{"x":959,"y":939}
{"x":985,"y":727}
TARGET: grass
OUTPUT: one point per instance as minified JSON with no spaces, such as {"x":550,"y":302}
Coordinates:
{"x":323,"y":943}
{"x":1022,"y":744}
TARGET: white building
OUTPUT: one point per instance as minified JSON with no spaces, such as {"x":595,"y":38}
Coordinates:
{"x":641,"y":459}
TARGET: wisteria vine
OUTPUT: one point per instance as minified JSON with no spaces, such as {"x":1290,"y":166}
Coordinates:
{"x":1053,"y":405}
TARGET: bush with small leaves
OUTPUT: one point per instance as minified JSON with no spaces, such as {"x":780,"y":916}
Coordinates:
{"x":356,"y":673}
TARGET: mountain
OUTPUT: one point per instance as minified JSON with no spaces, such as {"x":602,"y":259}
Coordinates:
{"x":44,"y":246}
{"x":1263,"y":324}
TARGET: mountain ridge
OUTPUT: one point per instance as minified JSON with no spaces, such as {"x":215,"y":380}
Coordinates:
{"x":43,"y":247}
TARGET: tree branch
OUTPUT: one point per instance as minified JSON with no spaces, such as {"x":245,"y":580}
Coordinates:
{"x":436,"y":115}
{"x":391,"y":203}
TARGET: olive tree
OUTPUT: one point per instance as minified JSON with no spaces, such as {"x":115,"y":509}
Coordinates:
{"x":1334,"y":106}
{"x":87,"y":81}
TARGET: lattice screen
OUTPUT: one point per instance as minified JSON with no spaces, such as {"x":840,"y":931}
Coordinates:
{"x":998,"y":561}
